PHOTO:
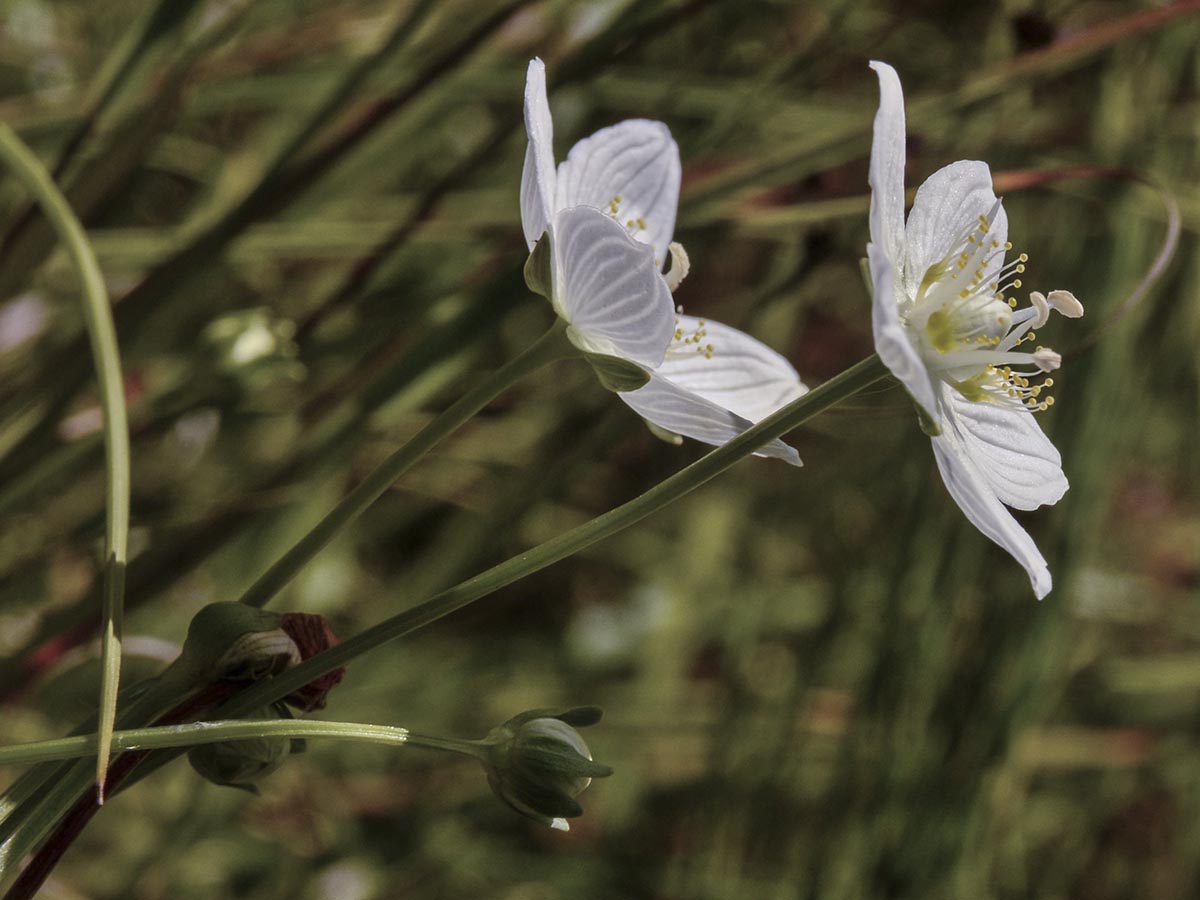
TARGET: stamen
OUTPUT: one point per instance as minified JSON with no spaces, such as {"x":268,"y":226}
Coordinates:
{"x":680,"y":266}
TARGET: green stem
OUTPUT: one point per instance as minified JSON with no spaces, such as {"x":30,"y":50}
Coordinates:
{"x":548,"y":348}
{"x":102,"y":335}
{"x":688,"y":479}
{"x":220,"y":731}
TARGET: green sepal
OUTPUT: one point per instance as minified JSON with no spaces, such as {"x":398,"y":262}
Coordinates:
{"x":930,"y":427}
{"x":617,"y":374}
{"x":537,"y":268}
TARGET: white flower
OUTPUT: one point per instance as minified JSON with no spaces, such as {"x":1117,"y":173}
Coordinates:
{"x":948,"y":329}
{"x":609,"y":209}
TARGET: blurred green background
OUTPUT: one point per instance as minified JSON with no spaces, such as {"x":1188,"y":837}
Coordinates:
{"x":819,"y":682}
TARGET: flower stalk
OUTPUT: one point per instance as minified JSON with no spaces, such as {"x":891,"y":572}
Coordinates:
{"x":683,"y":482}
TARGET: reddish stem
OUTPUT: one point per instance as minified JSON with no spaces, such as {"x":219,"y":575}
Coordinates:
{"x":34,"y":875}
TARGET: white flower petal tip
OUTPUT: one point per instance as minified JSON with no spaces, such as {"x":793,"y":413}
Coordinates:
{"x":974,"y":496}
{"x":680,"y":266}
{"x":887,"y":165}
{"x":560,"y":825}
{"x":538,"y":176}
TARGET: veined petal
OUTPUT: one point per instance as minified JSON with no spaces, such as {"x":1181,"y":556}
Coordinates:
{"x":946,"y":209}
{"x":730,"y":368}
{"x":631,"y":169}
{"x":887,"y":167}
{"x":891,"y":340}
{"x":537,"y":177}
{"x":609,"y":290}
{"x":680,"y":411}
{"x":975,"y":497}
{"x":1014,"y":456}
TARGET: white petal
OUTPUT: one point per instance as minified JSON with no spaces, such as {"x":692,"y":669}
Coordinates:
{"x":1010,"y":450}
{"x":636,"y":160}
{"x":743,"y":375}
{"x":887,"y":166}
{"x":947,"y":206}
{"x":537,"y":178}
{"x":891,"y":341}
{"x":974,"y":496}
{"x":609,"y":290}
{"x":679,"y":411}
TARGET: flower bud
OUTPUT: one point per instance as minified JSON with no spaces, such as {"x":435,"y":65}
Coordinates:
{"x":538,"y":763}
{"x":235,"y":642}
{"x":241,"y":763}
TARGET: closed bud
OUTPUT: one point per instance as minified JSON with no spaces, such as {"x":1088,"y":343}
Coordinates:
{"x":241,"y":763}
{"x":538,"y":763}
{"x":235,"y":642}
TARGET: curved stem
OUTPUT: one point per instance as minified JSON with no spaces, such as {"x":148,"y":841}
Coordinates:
{"x":193,"y":733}
{"x":550,"y":347}
{"x":102,"y":335}
{"x":682,"y":482}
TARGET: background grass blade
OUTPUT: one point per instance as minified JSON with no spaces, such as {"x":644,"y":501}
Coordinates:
{"x":103,"y":339}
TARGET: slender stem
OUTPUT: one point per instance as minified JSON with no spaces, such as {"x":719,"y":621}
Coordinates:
{"x":551,"y":346}
{"x":682,"y":482}
{"x":102,"y":335}
{"x":220,"y":731}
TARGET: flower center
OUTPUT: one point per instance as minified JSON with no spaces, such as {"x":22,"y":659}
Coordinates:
{"x":967,"y":330}
{"x":689,"y":344}
{"x":634,"y":226}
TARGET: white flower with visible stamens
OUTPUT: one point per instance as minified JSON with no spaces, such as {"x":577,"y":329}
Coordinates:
{"x":947,"y":326}
{"x":609,"y":210}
